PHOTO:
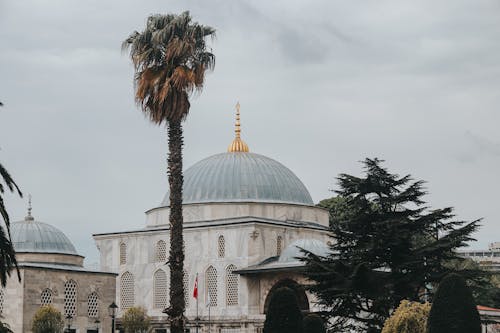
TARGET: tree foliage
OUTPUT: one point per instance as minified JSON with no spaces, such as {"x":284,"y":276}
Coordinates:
{"x":453,"y":308}
{"x":171,"y":58}
{"x":409,"y":317}
{"x":313,"y":323}
{"x":8,"y":260}
{"x":47,"y":320}
{"x":135,"y":320}
{"x":388,"y":246}
{"x":283,"y":314}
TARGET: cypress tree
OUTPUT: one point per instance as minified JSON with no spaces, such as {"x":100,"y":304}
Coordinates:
{"x":453,"y":309}
{"x":283,"y":314}
{"x":313,"y":323}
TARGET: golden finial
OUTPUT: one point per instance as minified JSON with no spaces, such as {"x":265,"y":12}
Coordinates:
{"x":237,"y":145}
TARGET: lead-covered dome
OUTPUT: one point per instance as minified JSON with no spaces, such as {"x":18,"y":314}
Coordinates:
{"x":241,"y":177}
{"x":37,"y":237}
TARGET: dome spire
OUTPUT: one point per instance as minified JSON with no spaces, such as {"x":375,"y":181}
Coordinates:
{"x":237,"y":145}
{"x":29,"y":217}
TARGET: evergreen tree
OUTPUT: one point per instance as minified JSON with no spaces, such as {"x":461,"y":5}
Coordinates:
{"x":313,"y":323}
{"x":283,"y":314}
{"x":453,"y":309}
{"x":387,"y":247}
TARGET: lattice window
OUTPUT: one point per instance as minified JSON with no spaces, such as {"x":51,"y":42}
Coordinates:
{"x":161,"y":251}
{"x":160,"y":289}
{"x":187,"y":292}
{"x":123,"y":253}
{"x":231,"y":286}
{"x":279,"y":245}
{"x":70,"y":296}
{"x":93,"y":305}
{"x":211,"y":286}
{"x":127,"y":294}
{"x":2,"y":296}
{"x":46,"y":297}
{"x":222,"y":247}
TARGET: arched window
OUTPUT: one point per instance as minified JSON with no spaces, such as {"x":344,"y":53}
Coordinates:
{"x":93,"y":305}
{"x":161,"y":251}
{"x":231,"y":286}
{"x":160,"y":289}
{"x":1,"y":299}
{"x":127,"y":295}
{"x":222,"y":247}
{"x":70,"y":297}
{"x":279,"y":245}
{"x":187,"y":292}
{"x":46,"y":297}
{"x":211,"y":286}
{"x":123,"y":253}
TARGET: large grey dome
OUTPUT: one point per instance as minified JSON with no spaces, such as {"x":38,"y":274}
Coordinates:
{"x":241,"y":177}
{"x":33,"y":236}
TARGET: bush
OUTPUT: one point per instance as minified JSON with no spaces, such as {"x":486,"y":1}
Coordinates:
{"x":453,"y":309}
{"x":313,"y":323}
{"x":135,"y":320}
{"x":283,"y":314}
{"x":47,"y":320}
{"x":409,"y":317}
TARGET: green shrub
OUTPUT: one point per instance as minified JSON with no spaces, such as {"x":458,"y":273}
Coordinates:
{"x":453,"y":309}
{"x":313,"y":323}
{"x":47,"y":320}
{"x":283,"y":314}
{"x":409,"y":317}
{"x":135,"y":320}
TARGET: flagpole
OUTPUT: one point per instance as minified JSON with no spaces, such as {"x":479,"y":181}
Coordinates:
{"x":197,"y":316}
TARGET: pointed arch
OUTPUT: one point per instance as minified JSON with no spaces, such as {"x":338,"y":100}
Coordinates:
{"x":161,"y":251}
{"x":93,"y":305}
{"x":221,"y":246}
{"x":232,"y":286}
{"x":46,"y":297}
{"x":70,"y":298}
{"x":123,"y":253}
{"x":127,"y":292}
{"x":160,"y":294}
{"x":211,"y":286}
{"x":279,"y":245}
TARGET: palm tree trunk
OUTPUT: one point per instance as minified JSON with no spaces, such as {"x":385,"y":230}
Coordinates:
{"x":176,"y":255}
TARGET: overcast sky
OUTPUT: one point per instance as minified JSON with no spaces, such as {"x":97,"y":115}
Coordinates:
{"x":322,"y":85}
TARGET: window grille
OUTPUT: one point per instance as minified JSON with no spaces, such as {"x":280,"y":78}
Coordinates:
{"x":123,"y":253}
{"x":279,"y":245}
{"x":161,"y":251}
{"x":211,"y":286}
{"x":70,"y":296}
{"x":187,"y":292}
{"x":46,"y":297}
{"x":160,"y":289}
{"x":231,"y":286}
{"x":127,"y":297}
{"x":222,"y":247}
{"x":2,"y":296}
{"x":93,"y":305}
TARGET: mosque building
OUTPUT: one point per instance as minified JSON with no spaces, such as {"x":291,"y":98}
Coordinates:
{"x":245,"y":217}
{"x":52,"y":273}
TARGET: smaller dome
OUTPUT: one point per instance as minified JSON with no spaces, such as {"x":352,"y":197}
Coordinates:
{"x":33,"y":236}
{"x":292,"y":251}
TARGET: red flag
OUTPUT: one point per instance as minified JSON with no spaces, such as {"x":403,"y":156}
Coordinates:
{"x":195,"y":291}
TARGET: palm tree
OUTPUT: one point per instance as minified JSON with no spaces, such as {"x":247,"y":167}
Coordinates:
{"x":8,"y":260}
{"x":170,"y":58}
